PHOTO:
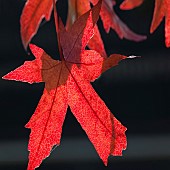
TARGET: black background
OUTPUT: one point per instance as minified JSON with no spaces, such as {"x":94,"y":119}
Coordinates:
{"x":137,"y":91}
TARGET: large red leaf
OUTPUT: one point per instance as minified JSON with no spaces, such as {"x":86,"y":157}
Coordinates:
{"x":162,"y":9}
{"x":33,"y":13}
{"x":67,"y":82}
{"x":130,"y":4}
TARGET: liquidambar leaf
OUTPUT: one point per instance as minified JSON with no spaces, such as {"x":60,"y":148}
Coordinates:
{"x":162,"y":9}
{"x":33,"y":13}
{"x":130,"y":4}
{"x":67,"y":83}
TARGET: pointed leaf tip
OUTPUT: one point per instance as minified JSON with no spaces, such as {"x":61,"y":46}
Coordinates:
{"x":95,"y":11}
{"x":37,"y":51}
{"x":133,"y":56}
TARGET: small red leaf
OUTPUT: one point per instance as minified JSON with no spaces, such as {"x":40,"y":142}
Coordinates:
{"x":130,"y":4}
{"x":159,"y":13}
{"x":162,"y":9}
{"x":33,"y":13}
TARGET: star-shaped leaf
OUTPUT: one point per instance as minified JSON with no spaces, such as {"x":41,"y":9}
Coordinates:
{"x":67,"y":83}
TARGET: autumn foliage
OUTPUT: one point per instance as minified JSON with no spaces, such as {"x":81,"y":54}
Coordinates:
{"x":161,"y":10}
{"x":67,"y":81}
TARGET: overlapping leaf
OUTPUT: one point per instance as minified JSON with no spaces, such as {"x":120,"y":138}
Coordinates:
{"x":67,"y":82}
{"x":78,"y":8}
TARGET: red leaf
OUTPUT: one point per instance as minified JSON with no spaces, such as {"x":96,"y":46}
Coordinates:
{"x":33,"y":13}
{"x":111,"y":20}
{"x":162,"y":9}
{"x":67,"y":82}
{"x":130,"y":4}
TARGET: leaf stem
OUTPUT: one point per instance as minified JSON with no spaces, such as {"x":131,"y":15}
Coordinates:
{"x":57,"y":31}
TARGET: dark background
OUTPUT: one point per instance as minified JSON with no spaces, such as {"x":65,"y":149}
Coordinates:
{"x":137,"y":92}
